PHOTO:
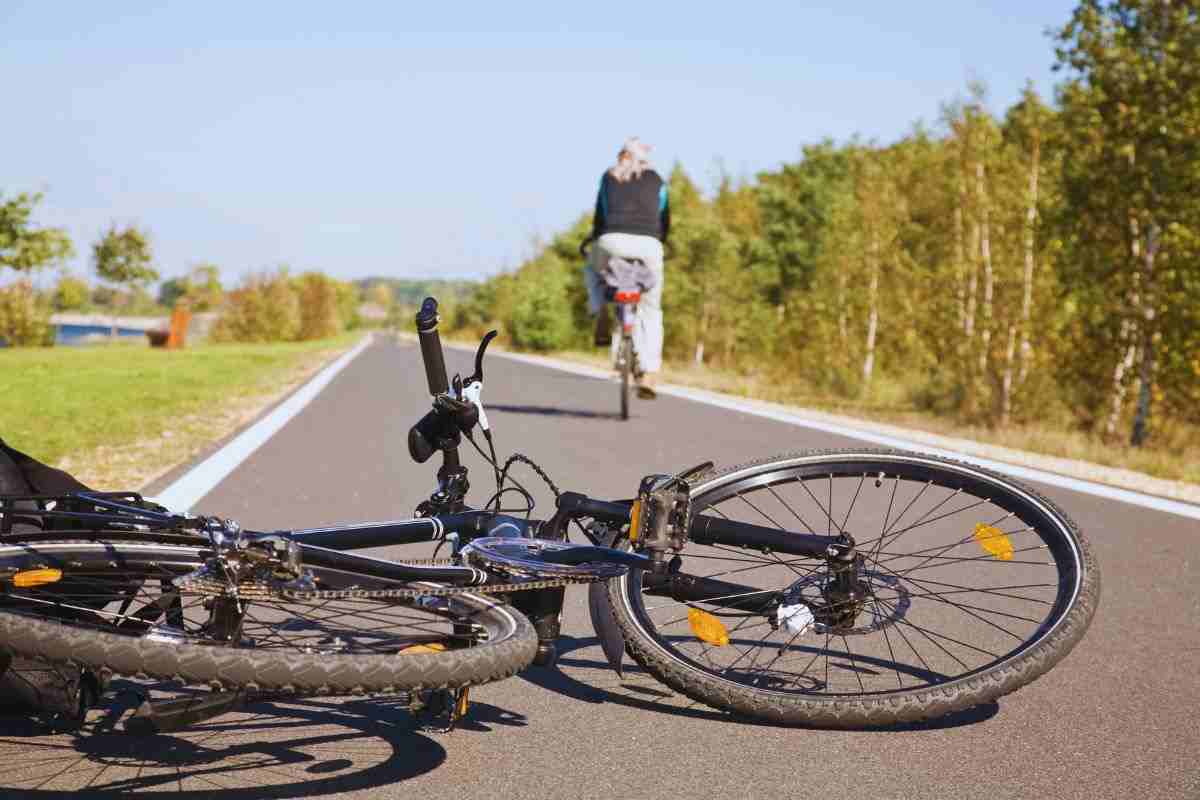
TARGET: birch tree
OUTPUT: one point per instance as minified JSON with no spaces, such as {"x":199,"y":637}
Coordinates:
{"x":1132,"y":100}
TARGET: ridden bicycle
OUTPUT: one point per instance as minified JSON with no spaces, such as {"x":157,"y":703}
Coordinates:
{"x":837,"y":588}
{"x":625,"y":280}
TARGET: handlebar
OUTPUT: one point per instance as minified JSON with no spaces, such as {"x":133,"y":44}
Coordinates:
{"x":431,"y":347}
{"x":436,"y":430}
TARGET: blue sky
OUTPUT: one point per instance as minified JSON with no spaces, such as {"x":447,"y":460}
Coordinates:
{"x":439,"y":139}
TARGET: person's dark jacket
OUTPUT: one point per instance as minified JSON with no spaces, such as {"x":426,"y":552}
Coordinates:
{"x":638,"y":205}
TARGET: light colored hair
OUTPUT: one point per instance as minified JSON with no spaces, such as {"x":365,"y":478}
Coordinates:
{"x":632,"y":160}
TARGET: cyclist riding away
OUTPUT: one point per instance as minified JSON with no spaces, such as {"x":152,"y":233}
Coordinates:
{"x":632,"y":221}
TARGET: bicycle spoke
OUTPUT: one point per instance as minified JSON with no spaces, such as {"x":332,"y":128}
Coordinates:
{"x":761,"y":513}
{"x":808,"y":528}
{"x":853,"y":500}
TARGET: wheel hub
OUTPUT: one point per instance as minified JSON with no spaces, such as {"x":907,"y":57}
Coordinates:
{"x":844,"y":596}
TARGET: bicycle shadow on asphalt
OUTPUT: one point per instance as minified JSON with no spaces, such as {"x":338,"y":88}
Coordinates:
{"x":554,"y":411}
{"x":295,"y":748}
{"x":658,"y":697}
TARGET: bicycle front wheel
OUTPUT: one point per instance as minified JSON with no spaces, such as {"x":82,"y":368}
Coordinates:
{"x":972,"y":585}
{"x":113,"y":605}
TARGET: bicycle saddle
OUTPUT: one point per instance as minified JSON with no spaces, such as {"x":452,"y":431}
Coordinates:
{"x":628,"y":273}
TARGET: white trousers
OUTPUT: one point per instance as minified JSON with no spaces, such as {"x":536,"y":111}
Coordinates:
{"x":648,"y":332}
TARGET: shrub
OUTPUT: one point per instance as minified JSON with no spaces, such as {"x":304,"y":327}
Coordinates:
{"x":320,"y":316}
{"x":266,"y":309}
{"x":24,"y":321}
{"x":541,"y":317}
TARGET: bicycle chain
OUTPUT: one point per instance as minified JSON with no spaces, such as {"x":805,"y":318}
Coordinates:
{"x":524,"y":459}
{"x":262,"y":590}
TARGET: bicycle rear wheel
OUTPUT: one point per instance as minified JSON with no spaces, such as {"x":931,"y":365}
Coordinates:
{"x":975,"y":585}
{"x":626,"y":361}
{"x":112,"y":605}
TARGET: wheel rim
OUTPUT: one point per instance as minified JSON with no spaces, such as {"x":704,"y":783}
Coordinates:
{"x":126,"y":590}
{"x":942,"y":608}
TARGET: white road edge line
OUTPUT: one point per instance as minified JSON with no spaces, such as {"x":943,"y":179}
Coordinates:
{"x":201,"y":479}
{"x":731,"y":403}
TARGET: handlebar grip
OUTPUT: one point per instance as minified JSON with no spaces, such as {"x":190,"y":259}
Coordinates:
{"x":431,"y":347}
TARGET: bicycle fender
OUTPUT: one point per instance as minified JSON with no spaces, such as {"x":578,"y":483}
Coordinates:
{"x":604,"y":619}
{"x":604,"y":622}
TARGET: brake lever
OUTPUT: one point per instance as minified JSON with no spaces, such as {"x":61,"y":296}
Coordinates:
{"x":472,"y":387}
{"x":478,"y":376}
{"x":471,"y":393}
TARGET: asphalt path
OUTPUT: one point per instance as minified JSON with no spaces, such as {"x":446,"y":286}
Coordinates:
{"x":1116,"y":719}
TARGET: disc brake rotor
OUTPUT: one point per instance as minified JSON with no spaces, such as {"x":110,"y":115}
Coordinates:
{"x":807,"y":590}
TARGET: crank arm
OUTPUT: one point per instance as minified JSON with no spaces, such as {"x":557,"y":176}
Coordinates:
{"x":169,"y":716}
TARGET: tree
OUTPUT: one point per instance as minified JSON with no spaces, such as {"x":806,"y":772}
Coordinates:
{"x":24,"y":319}
{"x":201,"y":287}
{"x":379,"y":295}
{"x":123,"y":256}
{"x":1132,"y":109}
{"x":348,"y":299}
{"x":541,"y":316}
{"x":71,"y":293}
{"x":26,"y":248}
{"x":265,"y":309}
{"x":170,"y":290}
{"x":319,"y":317}
{"x":795,"y":205}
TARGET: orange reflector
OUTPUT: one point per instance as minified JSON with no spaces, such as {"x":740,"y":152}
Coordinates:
{"x":464,"y":702}
{"x":994,"y":541}
{"x":413,"y":649}
{"x":707,"y":627}
{"x":36,"y":577}
{"x":635,"y":516}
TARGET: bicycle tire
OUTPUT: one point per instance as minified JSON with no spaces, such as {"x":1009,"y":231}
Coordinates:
{"x":61,"y":626}
{"x":669,"y":656}
{"x":626,"y":374}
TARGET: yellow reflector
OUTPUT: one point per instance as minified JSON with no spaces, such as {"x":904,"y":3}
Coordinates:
{"x":995,"y":541}
{"x":635,"y":515}
{"x":707,"y":627}
{"x":36,"y":577}
{"x":464,"y":702}
{"x":432,"y":647}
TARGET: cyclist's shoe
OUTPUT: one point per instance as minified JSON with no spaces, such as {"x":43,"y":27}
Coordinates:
{"x":645,"y":386}
{"x":603,"y":334}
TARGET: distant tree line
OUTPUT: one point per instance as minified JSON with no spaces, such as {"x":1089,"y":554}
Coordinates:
{"x":276,"y":307}
{"x":1039,"y":265}
{"x":410,"y":292}
{"x":269,"y":306}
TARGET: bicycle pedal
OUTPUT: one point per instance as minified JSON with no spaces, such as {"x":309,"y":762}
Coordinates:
{"x":452,"y":704}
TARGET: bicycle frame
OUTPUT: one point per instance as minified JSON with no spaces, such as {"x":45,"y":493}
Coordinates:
{"x":445,"y":517}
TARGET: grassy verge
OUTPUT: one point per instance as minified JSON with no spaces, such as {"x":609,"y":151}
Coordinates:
{"x":1174,"y":457}
{"x":118,"y":415}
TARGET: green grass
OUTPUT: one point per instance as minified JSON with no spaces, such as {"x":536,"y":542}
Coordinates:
{"x":79,"y":407}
